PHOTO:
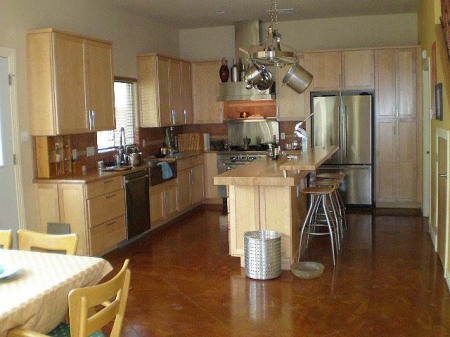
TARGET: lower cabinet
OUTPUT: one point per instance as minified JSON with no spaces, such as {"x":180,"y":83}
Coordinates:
{"x":191,"y":184}
{"x":95,"y":211}
{"x":211,"y":190}
{"x":163,"y":203}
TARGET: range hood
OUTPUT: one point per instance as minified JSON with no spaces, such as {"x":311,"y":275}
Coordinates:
{"x":247,"y":33}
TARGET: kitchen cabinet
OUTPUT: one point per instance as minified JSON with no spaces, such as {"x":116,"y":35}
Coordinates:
{"x":397,"y":126}
{"x":211,"y":190}
{"x":205,"y":89}
{"x":163,"y":203}
{"x":70,"y":83}
{"x":190,"y":173}
{"x":291,"y":106}
{"x":164,"y":92}
{"x":341,"y":70}
{"x":396,"y":83}
{"x":95,"y":211}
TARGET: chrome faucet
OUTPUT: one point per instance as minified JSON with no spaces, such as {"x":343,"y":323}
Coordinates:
{"x":120,"y":155}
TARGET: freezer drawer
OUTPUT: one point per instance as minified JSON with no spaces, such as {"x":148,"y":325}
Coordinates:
{"x":357,"y":187}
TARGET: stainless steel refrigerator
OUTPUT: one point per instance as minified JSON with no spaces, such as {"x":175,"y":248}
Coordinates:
{"x":346,"y":120}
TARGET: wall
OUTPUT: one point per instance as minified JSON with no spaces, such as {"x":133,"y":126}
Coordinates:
{"x":428,"y":18}
{"x":130,"y":33}
{"x":359,"y":31}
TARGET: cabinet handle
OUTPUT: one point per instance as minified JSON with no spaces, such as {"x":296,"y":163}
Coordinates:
{"x":110,"y":223}
{"x":185,"y":116}
{"x":443,"y":175}
{"x":109,"y":196}
{"x":173,"y":116}
{"x":93,"y":119}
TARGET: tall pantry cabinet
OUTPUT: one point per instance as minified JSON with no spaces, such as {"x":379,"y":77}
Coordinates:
{"x":398,"y":127}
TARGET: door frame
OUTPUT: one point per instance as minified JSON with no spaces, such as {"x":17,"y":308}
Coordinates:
{"x":10,"y":55}
{"x":445,"y":134}
{"x":426,"y":137}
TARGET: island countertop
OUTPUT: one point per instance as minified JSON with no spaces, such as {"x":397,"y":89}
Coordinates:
{"x":269,"y":172}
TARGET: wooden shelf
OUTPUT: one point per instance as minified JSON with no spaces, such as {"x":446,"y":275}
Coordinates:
{"x":53,"y":156}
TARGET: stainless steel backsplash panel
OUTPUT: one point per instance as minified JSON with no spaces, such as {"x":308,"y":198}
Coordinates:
{"x":260,"y":131}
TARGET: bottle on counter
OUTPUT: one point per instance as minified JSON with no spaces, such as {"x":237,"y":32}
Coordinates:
{"x":242,"y":71}
{"x":224,"y":72}
{"x":234,"y":72}
{"x":275,"y":148}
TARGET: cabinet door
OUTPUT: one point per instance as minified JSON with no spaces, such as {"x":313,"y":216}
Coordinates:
{"x":205,"y":88}
{"x":358,"y":69}
{"x":291,"y":106}
{"x":406,"y":82}
{"x":100,"y":85}
{"x":186,"y":93}
{"x":156,"y":205}
{"x":406,"y":156}
{"x":197,"y":184}
{"x":386,"y":83}
{"x":70,"y":110}
{"x":165,"y":113}
{"x":184,"y":189}
{"x":175,"y":93}
{"x":170,"y":195}
{"x":326,"y":69}
{"x":385,"y":160}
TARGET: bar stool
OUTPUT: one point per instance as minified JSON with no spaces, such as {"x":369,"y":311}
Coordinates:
{"x":321,"y":218}
{"x":339,"y":175}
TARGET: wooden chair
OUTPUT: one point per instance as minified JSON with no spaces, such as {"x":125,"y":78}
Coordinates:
{"x":29,"y":240}
{"x":6,"y":239}
{"x":111,"y":296}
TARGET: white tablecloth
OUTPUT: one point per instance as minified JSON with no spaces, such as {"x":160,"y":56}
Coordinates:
{"x":36,"y":296}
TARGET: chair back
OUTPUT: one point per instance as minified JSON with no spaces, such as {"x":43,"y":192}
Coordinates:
{"x":30,"y":240}
{"x":111,"y":296}
{"x":6,"y":239}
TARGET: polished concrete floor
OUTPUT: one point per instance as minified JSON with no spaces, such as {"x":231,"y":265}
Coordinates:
{"x":387,"y":282}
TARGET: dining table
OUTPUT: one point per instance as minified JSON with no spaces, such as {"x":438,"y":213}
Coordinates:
{"x":34,"y":286}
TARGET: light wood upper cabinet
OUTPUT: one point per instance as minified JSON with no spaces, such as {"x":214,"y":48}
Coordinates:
{"x":396,"y":83}
{"x":341,"y":70}
{"x":291,"y":106}
{"x":186,"y":94}
{"x":70,"y":83}
{"x":205,"y":89}
{"x":164,"y":91}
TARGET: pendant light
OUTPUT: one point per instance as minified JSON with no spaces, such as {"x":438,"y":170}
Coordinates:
{"x":273,"y":52}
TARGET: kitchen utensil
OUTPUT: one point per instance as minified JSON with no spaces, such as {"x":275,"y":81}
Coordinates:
{"x":135,"y":159}
{"x":247,"y":143}
{"x":297,"y":78}
{"x":266,"y":80}
{"x":307,"y":270}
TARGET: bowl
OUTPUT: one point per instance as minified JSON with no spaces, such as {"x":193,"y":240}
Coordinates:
{"x":307,"y":270}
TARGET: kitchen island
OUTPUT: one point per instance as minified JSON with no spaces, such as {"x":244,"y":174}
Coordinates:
{"x":265,"y":195}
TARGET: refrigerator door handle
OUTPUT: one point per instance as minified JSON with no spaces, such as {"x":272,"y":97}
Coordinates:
{"x":339,"y":113}
{"x":346,"y":131}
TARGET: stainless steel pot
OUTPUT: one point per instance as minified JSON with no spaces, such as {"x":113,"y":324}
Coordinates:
{"x":135,"y":159}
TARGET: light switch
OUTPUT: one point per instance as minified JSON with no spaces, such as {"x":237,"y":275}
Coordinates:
{"x":24,"y":136}
{"x":283,"y":135}
{"x":74,"y":154}
{"x":90,"y":151}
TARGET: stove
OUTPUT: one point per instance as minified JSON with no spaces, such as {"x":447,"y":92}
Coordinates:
{"x":229,"y":160}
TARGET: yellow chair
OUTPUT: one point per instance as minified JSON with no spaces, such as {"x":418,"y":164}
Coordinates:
{"x":29,"y":240}
{"x":6,"y":239}
{"x":111,"y":296}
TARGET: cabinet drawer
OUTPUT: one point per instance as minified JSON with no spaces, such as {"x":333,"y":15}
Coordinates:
{"x":106,"y":236}
{"x":106,"y":207}
{"x":183,"y":164}
{"x":103,"y":186}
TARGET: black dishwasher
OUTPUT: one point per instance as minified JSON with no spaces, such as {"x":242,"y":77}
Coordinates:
{"x":137,"y":203}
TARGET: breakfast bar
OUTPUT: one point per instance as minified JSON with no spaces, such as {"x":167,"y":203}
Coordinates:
{"x":265,"y":195}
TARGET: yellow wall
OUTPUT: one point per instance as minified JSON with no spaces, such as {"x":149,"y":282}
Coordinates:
{"x":428,"y":20}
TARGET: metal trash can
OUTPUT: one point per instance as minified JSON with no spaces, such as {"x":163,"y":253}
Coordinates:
{"x":262,"y":252}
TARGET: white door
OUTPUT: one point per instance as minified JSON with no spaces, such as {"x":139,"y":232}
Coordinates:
{"x":9,"y":218}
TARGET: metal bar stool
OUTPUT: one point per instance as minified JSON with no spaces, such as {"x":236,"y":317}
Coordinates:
{"x":319,"y":219}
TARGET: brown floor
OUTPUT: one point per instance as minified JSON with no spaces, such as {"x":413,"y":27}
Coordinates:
{"x":387,"y":282}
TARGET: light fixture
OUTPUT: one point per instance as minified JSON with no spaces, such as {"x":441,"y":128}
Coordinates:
{"x":273,"y":52}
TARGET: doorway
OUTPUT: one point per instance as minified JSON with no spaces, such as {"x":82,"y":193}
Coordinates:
{"x":10,"y":174}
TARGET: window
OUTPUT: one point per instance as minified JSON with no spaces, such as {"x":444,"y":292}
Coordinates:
{"x":126,"y":115}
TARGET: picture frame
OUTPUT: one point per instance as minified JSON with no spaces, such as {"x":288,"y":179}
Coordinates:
{"x":438,"y":102}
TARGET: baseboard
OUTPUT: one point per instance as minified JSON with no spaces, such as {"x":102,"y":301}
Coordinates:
{"x":433,"y":236}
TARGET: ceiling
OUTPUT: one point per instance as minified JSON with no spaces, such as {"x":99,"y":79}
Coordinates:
{"x":185,"y":14}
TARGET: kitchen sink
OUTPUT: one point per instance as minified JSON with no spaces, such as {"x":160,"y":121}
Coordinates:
{"x":156,"y":174}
